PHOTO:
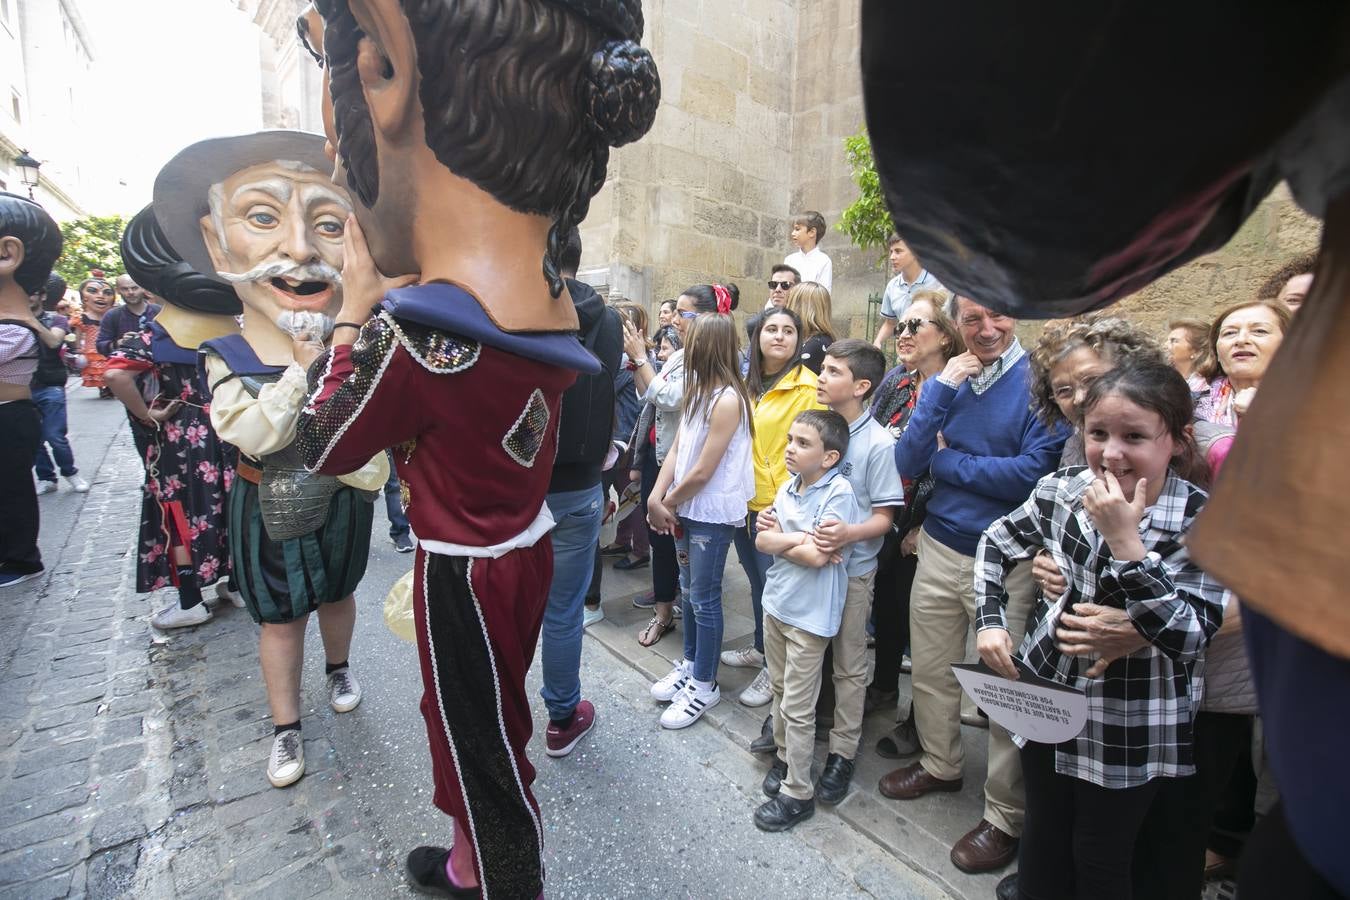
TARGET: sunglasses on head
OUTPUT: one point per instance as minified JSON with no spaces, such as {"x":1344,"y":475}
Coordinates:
{"x":779,"y":285}
{"x":911,"y":325}
{"x":686,"y":314}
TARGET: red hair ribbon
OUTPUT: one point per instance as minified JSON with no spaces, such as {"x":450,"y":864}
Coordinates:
{"x":723,"y":299}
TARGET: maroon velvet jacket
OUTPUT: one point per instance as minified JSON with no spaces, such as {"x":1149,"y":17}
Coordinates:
{"x":473,"y":427}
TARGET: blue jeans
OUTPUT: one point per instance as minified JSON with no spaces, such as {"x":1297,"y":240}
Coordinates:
{"x":51,"y":404}
{"x":578,"y":516}
{"x":702,"y":552}
{"x":393,"y":502}
{"x":756,"y":567}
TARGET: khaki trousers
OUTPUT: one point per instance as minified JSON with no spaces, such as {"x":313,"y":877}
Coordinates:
{"x":941,"y":615}
{"x":794,"y":660}
{"x":850,"y":667}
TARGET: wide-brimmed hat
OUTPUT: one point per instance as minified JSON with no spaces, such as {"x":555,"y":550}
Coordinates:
{"x":183,"y":186}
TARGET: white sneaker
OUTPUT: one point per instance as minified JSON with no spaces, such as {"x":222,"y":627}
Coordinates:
{"x":591,"y":616}
{"x":287,"y":761}
{"x":344,"y":691}
{"x":174,"y":616}
{"x":744,"y":658}
{"x":690,"y":705}
{"x":759,"y":692}
{"x":224,"y":593}
{"x":668,"y":688}
{"x":77,"y":484}
{"x":906,"y":664}
{"x":46,"y":487}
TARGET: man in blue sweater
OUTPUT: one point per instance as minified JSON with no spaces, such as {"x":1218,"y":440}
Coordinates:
{"x":974,"y":430}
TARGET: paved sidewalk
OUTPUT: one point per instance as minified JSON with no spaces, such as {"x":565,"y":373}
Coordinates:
{"x":131,"y":764}
{"x":918,"y":832}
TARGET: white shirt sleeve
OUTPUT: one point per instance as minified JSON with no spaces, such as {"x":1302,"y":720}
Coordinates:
{"x":256,"y":425}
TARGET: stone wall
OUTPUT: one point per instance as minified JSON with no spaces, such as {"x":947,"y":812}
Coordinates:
{"x":705,"y":195}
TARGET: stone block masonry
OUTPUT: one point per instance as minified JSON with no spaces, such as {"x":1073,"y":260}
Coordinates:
{"x":132,"y":764}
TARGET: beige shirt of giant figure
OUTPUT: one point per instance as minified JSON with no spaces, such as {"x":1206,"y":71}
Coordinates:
{"x":275,"y":230}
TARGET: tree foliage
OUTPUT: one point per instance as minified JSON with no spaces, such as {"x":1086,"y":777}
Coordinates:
{"x":866,"y":221}
{"x":93,"y":242}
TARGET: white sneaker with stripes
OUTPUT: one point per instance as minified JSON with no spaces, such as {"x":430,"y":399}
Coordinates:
{"x":690,"y":705}
{"x":672,"y":685}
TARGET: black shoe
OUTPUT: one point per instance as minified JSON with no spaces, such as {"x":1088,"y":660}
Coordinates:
{"x":402,"y":542}
{"x":765,"y":742}
{"x":903,"y":740}
{"x":1007,"y":888}
{"x":782,"y":812}
{"x":426,"y":874}
{"x":773,"y":779}
{"x":874,"y":700}
{"x":834,"y":778}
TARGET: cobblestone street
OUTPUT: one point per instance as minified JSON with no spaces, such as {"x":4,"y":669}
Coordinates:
{"x":132,"y":763}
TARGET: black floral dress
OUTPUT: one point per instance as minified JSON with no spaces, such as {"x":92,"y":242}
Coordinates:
{"x":188,"y":470}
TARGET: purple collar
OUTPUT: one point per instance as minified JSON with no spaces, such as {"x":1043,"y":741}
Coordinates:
{"x":164,"y":350}
{"x":239,"y":356}
{"x":449,"y":308}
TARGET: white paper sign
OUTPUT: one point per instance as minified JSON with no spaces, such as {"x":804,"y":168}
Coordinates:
{"x":1033,"y":707}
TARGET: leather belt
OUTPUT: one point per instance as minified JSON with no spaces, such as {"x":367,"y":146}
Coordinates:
{"x":248,"y":472}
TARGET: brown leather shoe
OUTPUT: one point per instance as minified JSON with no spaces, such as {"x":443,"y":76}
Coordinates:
{"x":984,"y":849}
{"x":914,"y":781}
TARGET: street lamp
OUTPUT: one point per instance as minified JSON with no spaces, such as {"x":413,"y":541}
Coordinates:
{"x":28,"y":171}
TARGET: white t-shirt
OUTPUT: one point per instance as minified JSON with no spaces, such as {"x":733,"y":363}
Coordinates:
{"x":814,"y":266}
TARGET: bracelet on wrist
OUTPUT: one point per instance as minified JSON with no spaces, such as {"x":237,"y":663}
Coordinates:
{"x":355,"y":325}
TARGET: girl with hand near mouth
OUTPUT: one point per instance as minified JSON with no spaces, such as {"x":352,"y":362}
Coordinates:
{"x":1115,"y":527}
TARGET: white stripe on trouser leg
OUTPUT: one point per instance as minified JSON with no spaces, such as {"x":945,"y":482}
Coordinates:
{"x":501,"y":721}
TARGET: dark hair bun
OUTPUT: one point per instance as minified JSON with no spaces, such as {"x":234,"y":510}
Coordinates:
{"x":155,"y":265}
{"x":623,"y":91}
{"x":735,"y":293}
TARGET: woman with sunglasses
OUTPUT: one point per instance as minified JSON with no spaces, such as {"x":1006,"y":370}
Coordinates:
{"x":96,"y":299}
{"x":924,"y":341}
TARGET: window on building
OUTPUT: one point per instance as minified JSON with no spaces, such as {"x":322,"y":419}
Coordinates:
{"x":4,"y":12}
{"x":15,"y":104}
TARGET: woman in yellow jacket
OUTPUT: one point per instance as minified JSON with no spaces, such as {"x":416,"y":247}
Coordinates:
{"x":782,"y":387}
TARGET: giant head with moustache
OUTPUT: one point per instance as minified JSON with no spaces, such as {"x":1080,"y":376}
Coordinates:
{"x":261,"y":212}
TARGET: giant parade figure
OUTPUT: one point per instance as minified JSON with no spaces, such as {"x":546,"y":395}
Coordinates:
{"x":153,"y":371}
{"x":1056,"y":174}
{"x":260,"y":213}
{"x":471,"y":181}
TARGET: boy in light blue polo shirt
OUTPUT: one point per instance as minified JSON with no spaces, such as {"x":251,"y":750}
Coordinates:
{"x":804,"y":594}
{"x":848,"y":374}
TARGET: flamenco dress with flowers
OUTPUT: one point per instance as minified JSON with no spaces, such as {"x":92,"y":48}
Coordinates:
{"x":188,"y":470}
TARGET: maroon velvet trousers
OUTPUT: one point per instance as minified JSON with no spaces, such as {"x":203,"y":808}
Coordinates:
{"x":477,"y":625}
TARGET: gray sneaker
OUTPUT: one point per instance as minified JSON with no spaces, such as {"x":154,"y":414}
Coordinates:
{"x":287,"y":762}
{"x":344,"y":691}
{"x":759,"y":692}
{"x":403,"y":543}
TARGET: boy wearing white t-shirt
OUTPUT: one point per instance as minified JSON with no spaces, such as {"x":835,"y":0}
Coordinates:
{"x":808,"y":230}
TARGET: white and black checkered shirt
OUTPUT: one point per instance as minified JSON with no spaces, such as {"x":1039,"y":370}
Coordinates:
{"x":1140,"y":713}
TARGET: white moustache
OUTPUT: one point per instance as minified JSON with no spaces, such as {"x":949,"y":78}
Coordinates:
{"x":317,"y":271}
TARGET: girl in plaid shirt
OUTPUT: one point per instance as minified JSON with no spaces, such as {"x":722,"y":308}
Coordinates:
{"x":1114,"y":528}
